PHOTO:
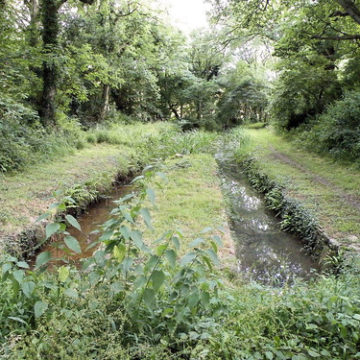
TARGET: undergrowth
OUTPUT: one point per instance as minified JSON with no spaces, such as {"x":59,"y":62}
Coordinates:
{"x":137,"y":300}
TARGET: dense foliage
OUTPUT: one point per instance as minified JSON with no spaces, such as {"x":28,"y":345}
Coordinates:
{"x":67,"y":65}
{"x":315,"y":45}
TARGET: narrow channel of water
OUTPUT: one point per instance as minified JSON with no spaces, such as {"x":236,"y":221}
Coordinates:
{"x":264,"y":252}
{"x":95,"y":215}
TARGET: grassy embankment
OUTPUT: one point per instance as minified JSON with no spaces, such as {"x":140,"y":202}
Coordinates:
{"x":330,"y":190}
{"x":83,"y":175}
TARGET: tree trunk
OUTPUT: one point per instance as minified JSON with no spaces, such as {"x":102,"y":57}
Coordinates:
{"x":174,"y":110}
{"x":34,"y":9}
{"x":105,"y":103}
{"x":198,"y":110}
{"x":351,"y":9}
{"x":50,"y":23}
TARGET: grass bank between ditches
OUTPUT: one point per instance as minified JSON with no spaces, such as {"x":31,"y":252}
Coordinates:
{"x":190,"y":200}
{"x":314,"y":196}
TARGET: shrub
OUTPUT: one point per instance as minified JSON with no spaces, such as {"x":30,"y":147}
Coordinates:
{"x":24,"y":141}
{"x":337,"y":130}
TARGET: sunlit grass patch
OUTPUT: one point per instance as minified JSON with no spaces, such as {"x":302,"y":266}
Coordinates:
{"x":191,"y":201}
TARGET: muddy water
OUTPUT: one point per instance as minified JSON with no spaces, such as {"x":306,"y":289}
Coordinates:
{"x":90,"y":221}
{"x":264,"y":252}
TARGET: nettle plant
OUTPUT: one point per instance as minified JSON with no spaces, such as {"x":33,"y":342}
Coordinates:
{"x":163,"y":293}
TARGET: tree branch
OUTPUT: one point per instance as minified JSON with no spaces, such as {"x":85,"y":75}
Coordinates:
{"x":351,"y":9}
{"x":343,"y":37}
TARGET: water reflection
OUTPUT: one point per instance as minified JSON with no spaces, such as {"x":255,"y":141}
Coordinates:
{"x":264,"y":252}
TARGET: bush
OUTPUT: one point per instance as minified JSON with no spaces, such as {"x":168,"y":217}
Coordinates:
{"x":24,"y":141}
{"x":337,"y":130}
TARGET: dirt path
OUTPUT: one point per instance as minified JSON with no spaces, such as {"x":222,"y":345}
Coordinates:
{"x":350,"y":200}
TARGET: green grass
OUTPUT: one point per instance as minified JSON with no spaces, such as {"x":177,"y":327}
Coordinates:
{"x":24,"y":196}
{"x":191,"y":201}
{"x":317,"y":182}
{"x":129,"y":135}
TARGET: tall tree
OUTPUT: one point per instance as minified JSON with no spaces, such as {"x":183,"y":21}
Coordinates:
{"x":50,"y":37}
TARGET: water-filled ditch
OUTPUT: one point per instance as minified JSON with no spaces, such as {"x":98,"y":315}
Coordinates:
{"x":89,"y":221}
{"x":264,"y":252}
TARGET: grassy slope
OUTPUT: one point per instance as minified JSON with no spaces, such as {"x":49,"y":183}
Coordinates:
{"x":26,"y":195}
{"x":322,"y":185}
{"x":191,"y":200}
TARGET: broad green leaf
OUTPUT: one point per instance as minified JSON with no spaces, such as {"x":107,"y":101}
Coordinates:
{"x":217,"y":240}
{"x":28,"y":288}
{"x":140,"y":281}
{"x":42,"y":258}
{"x":11,"y":258}
{"x":42,"y":217}
{"x":51,"y":229}
{"x":157,"y":278}
{"x":63,"y":272}
{"x":151,"y":195}
{"x":5,"y":268}
{"x":148,"y":168}
{"x":160,"y":249}
{"x":193,"y":300}
{"x":125,"y":198}
{"x":146,"y":216}
{"x":149,"y":297}
{"x":196,"y":242}
{"x":72,"y":293}
{"x":213,"y":256}
{"x":151,"y":262}
{"x":127,"y":215}
{"x":205,"y":298}
{"x":214,"y":246}
{"x":119,"y":252}
{"x":106,"y":235}
{"x":313,"y":353}
{"x":72,"y":244}
{"x":39,"y":308}
{"x":137,"y":178}
{"x":54,"y":206}
{"x":137,"y":239}
{"x":171,"y":257}
{"x":125,"y":232}
{"x":127,"y":264}
{"x":73,"y":222}
{"x":176,"y":242}
{"x":19,"y":276}
{"x":117,"y":287}
{"x":188,"y":258}
{"x":206,"y":230}
{"x":207,"y":261}
{"x":23,"y":265}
